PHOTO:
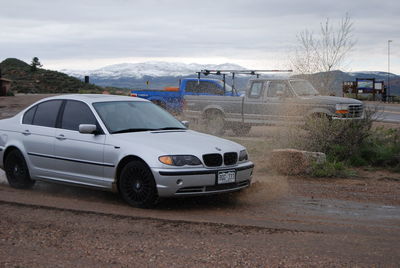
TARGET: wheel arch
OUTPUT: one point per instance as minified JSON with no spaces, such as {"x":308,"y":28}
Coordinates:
{"x":212,"y":108}
{"x":8,"y":150}
{"x":121,"y":164}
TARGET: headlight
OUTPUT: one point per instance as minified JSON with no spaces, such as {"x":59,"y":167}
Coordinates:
{"x":243,"y":155}
{"x":342,"y":108}
{"x":180,"y":160}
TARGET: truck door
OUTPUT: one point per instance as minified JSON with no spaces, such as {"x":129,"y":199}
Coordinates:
{"x":278,"y":101}
{"x":254,"y":110}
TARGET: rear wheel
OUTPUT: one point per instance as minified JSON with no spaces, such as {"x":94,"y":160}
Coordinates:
{"x":17,"y":171}
{"x":137,"y":186}
{"x":215,"y":123}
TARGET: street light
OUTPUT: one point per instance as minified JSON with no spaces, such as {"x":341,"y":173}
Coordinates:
{"x":388,"y":74}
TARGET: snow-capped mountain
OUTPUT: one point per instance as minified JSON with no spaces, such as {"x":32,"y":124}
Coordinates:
{"x":151,"y":69}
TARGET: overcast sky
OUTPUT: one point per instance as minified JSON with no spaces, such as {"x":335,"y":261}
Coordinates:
{"x":89,"y":34}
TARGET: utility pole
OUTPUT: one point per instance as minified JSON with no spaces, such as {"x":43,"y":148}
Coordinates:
{"x":388,"y":74}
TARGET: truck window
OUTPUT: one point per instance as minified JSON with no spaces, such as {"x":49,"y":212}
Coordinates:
{"x":277,"y":87}
{"x":255,"y":90}
{"x":203,"y":87}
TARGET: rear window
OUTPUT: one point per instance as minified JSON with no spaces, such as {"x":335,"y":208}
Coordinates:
{"x":28,"y":116}
{"x":46,"y":113}
{"x":203,"y":87}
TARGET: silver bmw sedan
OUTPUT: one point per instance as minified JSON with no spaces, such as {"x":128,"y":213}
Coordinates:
{"x":124,"y":144}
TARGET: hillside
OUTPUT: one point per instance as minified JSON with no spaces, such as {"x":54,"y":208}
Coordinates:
{"x":41,"y":81}
{"x":162,"y":74}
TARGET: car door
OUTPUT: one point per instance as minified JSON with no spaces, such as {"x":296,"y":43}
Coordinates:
{"x":79,"y":157}
{"x":38,"y":132}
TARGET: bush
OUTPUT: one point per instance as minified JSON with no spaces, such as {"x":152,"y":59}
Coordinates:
{"x":331,"y":169}
{"x":349,"y":142}
{"x":10,"y":93}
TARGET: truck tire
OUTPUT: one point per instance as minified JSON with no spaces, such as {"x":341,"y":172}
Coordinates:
{"x":241,"y":129}
{"x":215,"y":123}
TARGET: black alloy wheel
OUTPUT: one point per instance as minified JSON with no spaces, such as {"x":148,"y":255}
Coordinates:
{"x":137,"y":186}
{"x":17,"y":171}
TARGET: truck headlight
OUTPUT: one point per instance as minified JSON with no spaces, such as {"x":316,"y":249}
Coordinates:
{"x":342,"y":108}
{"x":243,"y":155}
{"x":180,"y":160}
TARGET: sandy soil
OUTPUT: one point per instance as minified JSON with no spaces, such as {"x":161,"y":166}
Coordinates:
{"x":279,"y":222}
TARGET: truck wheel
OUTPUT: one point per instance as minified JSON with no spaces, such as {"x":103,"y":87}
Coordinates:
{"x":241,"y":129}
{"x":17,"y":171}
{"x":137,"y":186}
{"x":215,"y":123}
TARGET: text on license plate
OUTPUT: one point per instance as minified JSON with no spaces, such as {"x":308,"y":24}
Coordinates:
{"x":226,"y":176}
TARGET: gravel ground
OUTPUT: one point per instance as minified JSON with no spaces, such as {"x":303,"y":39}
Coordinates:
{"x":279,"y":222}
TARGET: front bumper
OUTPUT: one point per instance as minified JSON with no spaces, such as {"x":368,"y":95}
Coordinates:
{"x":200,"y":181}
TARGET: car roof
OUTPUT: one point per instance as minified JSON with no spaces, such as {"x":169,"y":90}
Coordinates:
{"x":91,"y":98}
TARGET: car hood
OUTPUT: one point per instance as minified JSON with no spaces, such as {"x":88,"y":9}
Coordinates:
{"x":176,"y":142}
{"x":329,"y":100}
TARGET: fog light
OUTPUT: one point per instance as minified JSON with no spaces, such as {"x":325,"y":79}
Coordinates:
{"x":179,"y":182}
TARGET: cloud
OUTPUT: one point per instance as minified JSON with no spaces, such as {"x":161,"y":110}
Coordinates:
{"x":241,"y":30}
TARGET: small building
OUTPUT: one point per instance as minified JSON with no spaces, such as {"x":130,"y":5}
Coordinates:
{"x":5,"y":85}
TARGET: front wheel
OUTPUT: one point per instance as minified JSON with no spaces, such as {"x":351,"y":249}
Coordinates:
{"x":215,"y":123}
{"x":137,"y":186}
{"x":17,"y":171}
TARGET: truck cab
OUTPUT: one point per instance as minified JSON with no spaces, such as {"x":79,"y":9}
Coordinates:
{"x":283,"y":100}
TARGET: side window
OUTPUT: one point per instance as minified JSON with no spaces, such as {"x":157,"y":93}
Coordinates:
{"x":203,"y":87}
{"x":255,"y":90}
{"x":28,"y":116}
{"x":76,"y":113}
{"x":277,"y":89}
{"x":211,"y":88}
{"x":46,"y":113}
{"x":191,"y":86}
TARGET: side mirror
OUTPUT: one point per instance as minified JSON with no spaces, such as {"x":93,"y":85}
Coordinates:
{"x":87,"y":129}
{"x":185,"y":123}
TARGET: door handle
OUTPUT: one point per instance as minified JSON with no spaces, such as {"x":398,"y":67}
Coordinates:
{"x":61,"y":137}
{"x":26,"y":132}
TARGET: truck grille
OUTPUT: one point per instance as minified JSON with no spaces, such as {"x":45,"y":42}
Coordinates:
{"x":230,"y":158}
{"x":212,"y":160}
{"x":355,"y":110}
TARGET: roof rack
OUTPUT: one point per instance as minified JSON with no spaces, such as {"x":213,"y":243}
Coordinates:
{"x":234,"y":72}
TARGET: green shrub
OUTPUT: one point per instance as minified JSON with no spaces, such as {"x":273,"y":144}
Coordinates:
{"x":10,"y":93}
{"x":351,"y":142}
{"x":331,"y":169}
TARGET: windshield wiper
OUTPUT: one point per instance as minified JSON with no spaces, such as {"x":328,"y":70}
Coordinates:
{"x":131,"y":130}
{"x":169,"y":128}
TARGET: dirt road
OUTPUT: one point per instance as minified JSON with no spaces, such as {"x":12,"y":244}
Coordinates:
{"x":279,"y":222}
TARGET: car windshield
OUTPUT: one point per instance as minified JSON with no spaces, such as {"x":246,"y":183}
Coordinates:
{"x":133,"y":116}
{"x":303,"y":88}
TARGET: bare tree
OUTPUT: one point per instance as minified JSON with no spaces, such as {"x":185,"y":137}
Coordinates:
{"x":325,"y":51}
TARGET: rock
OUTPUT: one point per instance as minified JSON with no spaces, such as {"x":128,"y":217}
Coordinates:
{"x":294,"y":162}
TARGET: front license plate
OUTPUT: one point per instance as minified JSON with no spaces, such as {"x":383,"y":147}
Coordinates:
{"x":226,"y":176}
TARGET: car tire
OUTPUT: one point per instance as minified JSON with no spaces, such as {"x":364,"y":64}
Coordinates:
{"x":215,"y":123}
{"x":137,"y":186}
{"x":241,"y":129}
{"x":17,"y":171}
